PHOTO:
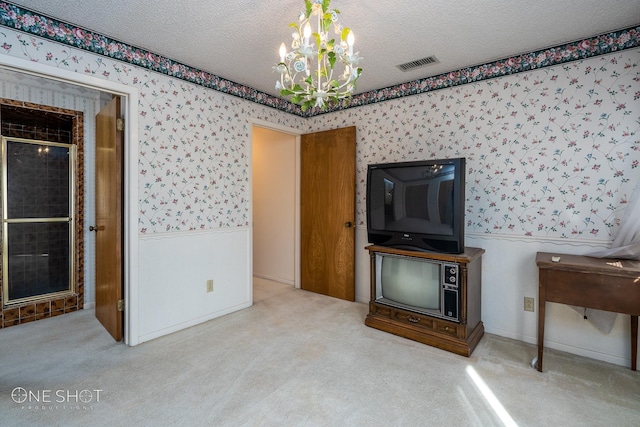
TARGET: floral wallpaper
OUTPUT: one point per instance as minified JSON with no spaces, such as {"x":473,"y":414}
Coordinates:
{"x":194,"y":154}
{"x":551,"y":151}
{"x":193,"y":142}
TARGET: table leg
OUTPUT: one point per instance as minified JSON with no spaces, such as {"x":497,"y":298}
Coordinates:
{"x":541,"y":305}
{"x":634,"y":342}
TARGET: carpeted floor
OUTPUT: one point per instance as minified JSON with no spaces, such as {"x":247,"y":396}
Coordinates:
{"x":296,"y":359}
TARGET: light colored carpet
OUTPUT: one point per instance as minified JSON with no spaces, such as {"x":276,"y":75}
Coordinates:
{"x":298,"y":359}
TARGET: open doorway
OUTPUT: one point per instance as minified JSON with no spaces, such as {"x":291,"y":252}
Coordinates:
{"x":65,"y":80}
{"x":43,"y":210}
{"x":324,"y":215}
{"x":275,"y":206}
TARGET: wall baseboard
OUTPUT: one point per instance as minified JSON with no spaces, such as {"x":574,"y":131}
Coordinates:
{"x":275,"y":279}
{"x":621,"y":361}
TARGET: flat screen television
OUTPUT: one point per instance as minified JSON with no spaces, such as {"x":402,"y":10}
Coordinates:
{"x":417,"y":205}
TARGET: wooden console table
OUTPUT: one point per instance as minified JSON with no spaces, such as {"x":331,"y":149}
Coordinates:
{"x":600,"y":283}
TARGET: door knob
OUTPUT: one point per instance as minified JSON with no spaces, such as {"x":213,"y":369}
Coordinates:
{"x":348,"y":224}
{"x":92,"y":228}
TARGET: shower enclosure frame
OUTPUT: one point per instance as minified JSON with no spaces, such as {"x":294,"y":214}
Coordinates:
{"x":6,"y":221}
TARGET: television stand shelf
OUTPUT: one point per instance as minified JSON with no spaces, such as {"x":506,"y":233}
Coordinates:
{"x":459,"y":337}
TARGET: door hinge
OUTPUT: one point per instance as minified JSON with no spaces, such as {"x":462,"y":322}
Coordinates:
{"x":120,"y":124}
{"x":120,"y":305}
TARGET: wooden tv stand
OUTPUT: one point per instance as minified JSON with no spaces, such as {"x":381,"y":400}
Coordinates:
{"x":457,"y":337}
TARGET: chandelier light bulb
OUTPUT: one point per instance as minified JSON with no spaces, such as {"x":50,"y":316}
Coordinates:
{"x":283,"y":52}
{"x":307,"y":34}
{"x":316,"y":76}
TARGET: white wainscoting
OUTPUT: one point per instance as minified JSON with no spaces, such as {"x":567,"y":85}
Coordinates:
{"x":173,"y":273}
{"x":509,"y":273}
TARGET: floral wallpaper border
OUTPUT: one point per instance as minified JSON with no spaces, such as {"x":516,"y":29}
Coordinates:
{"x":587,"y":48}
{"x":30,"y":22}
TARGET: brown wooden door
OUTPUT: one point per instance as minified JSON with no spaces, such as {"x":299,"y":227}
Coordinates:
{"x":109,"y":284}
{"x":327,"y":212}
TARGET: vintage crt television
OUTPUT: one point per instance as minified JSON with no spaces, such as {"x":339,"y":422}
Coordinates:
{"x":420,"y":285}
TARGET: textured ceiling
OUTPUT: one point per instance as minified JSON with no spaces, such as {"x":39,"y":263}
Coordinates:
{"x":239,"y":40}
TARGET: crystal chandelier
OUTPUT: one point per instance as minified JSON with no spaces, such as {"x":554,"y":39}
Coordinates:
{"x":318,"y":69}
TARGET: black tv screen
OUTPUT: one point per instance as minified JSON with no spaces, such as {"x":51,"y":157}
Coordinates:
{"x":418,"y":205}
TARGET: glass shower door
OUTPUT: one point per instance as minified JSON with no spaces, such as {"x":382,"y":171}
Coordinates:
{"x":37,"y":224}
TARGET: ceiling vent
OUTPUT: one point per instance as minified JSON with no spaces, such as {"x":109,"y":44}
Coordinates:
{"x":408,"y":66}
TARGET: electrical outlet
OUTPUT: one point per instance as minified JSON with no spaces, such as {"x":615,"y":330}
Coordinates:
{"x":210,"y":285}
{"x":529,"y":304}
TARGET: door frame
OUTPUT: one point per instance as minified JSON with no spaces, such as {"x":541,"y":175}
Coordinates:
{"x":296,"y":233}
{"x":130,"y":97}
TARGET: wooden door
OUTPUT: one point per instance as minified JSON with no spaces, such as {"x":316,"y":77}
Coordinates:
{"x":109,"y":284}
{"x":327,"y":212}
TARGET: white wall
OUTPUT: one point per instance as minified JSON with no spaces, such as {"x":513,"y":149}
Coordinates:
{"x":274,"y":199}
{"x":510,"y":273}
{"x":176,"y":268}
